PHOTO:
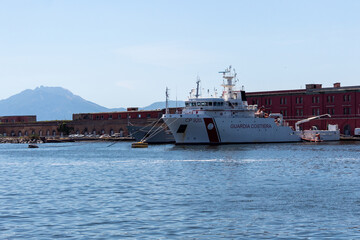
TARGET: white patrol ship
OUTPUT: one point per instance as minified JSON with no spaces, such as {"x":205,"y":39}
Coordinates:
{"x":228,"y":119}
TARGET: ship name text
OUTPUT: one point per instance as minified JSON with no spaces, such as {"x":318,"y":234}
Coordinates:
{"x":194,"y":120}
{"x":244,"y":125}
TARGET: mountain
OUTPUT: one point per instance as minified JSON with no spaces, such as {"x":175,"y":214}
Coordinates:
{"x":49,"y":103}
{"x":161,"y":105}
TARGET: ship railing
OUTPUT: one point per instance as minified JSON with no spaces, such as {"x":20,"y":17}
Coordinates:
{"x":252,"y":107}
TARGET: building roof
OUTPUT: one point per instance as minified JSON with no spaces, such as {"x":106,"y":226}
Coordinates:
{"x":317,"y":90}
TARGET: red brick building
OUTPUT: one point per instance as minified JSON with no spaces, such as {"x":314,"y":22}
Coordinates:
{"x":17,"y":119}
{"x":342,"y":103}
{"x":82,"y":123}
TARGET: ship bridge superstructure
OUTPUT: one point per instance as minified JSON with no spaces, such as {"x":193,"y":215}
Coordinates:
{"x":231,"y":103}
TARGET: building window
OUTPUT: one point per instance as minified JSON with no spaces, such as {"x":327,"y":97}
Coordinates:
{"x":139,"y":116}
{"x":347,"y":98}
{"x":330,"y":99}
{"x":97,"y":117}
{"x":347,"y":111}
{"x":316,"y":111}
{"x":315,"y":99}
{"x":110,"y":117}
{"x":283,"y":112}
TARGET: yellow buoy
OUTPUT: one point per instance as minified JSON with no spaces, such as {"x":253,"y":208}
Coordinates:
{"x":139,"y":145}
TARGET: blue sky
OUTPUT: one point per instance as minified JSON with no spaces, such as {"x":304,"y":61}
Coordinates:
{"x":125,"y":53}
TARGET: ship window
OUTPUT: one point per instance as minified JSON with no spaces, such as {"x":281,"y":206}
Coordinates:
{"x":181,"y":128}
{"x":193,"y":104}
{"x":203,"y":103}
{"x":210,"y":103}
{"x":186,"y":104}
{"x":199,"y":103}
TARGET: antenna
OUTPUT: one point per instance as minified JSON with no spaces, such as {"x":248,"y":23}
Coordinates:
{"x":176,"y":102}
{"x":167,"y":100}
{"x":197,"y":87}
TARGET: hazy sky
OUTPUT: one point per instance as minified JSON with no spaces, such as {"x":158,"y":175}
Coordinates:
{"x":125,"y":53}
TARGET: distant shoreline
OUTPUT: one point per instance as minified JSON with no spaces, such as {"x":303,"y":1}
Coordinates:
{"x":25,"y":140}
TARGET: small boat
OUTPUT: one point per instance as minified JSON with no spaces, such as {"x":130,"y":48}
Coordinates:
{"x":316,"y":138}
{"x":33,"y":146}
{"x":139,"y":145}
{"x":332,"y":133}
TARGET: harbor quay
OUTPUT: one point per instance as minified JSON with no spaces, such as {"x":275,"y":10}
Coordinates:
{"x":83,"y":125}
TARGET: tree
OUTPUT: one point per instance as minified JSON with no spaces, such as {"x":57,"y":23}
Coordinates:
{"x":64,"y":128}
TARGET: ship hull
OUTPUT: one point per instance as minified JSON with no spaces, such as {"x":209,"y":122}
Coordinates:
{"x":150,"y":135}
{"x":198,"y":129}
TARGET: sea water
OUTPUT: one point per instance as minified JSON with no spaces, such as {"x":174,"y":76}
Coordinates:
{"x":249,"y":191}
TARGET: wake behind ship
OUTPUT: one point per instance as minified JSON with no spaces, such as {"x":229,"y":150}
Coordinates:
{"x":228,"y":119}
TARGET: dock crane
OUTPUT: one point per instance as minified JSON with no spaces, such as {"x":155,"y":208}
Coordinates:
{"x":297,"y":128}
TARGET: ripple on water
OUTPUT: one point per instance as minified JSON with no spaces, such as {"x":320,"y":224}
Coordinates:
{"x":250,"y":191}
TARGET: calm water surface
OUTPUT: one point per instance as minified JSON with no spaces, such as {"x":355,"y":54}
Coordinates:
{"x":97,"y":191}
